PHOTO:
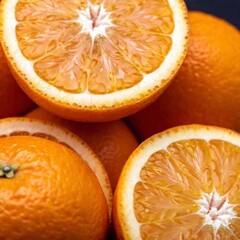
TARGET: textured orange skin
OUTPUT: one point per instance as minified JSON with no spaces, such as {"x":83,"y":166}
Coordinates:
{"x":112,"y":141}
{"x":54,"y":194}
{"x":206,"y":89}
{"x":13,"y":101}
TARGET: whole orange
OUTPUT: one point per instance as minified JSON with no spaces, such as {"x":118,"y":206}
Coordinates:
{"x":53,"y":195}
{"x":13,"y":100}
{"x":112,"y":141}
{"x":206,"y":89}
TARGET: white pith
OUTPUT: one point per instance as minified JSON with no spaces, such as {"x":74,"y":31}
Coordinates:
{"x":216,"y":210}
{"x":150,"y":81}
{"x":130,"y":173}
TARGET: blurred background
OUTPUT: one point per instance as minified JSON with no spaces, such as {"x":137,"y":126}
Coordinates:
{"x":227,"y":9}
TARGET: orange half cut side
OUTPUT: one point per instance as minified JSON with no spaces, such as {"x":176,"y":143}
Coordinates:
{"x":94,"y":60}
{"x":181,"y":184}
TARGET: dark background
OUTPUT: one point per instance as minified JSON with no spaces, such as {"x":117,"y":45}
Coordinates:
{"x":227,"y":9}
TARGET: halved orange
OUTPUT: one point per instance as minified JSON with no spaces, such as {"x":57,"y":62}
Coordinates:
{"x":94,"y":60}
{"x":181,"y":184}
{"x":23,"y":126}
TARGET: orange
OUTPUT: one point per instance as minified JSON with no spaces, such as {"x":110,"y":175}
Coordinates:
{"x":206,"y":89}
{"x":112,"y":141}
{"x":53,"y":195}
{"x":19,"y":126}
{"x":94,"y":60}
{"x":182,"y":183}
{"x":13,"y":100}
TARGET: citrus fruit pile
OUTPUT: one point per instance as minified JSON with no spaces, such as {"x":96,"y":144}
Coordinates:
{"x":113,"y":141}
{"x":206,"y":89}
{"x":118,"y":120}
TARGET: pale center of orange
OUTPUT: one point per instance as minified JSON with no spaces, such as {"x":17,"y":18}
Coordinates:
{"x":95,"y":20}
{"x":216,"y":210}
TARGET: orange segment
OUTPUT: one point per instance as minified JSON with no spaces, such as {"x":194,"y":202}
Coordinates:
{"x":37,"y":39}
{"x":99,"y":60}
{"x":42,"y":10}
{"x":225,"y":156}
{"x":181,"y":184}
{"x":145,"y":50}
{"x":64,"y":68}
{"x":145,"y":16}
{"x":107,"y":76}
{"x":164,"y":230}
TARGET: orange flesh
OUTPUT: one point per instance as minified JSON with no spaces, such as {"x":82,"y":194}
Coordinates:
{"x":171,"y":182}
{"x":51,"y":37}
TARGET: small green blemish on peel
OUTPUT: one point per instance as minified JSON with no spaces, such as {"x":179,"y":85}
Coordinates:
{"x":8,"y":171}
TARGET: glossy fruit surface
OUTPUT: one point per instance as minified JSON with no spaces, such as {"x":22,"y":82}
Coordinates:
{"x":53,"y":195}
{"x":22,"y":126}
